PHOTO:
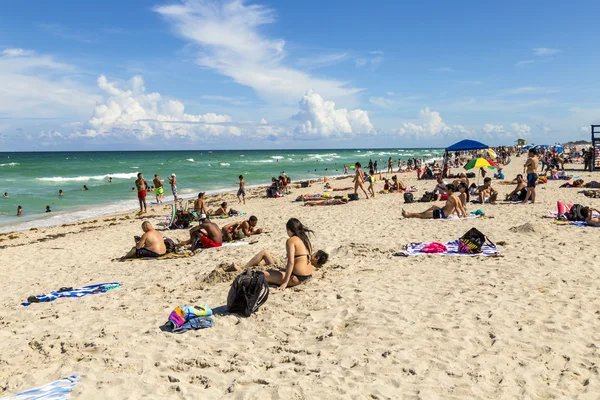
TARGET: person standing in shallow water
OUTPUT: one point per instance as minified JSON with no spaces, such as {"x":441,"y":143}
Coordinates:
{"x":19,"y":211}
{"x":140,"y":184}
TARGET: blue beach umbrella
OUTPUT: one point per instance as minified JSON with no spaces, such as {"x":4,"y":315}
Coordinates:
{"x":527,"y":147}
{"x":558,"y":148}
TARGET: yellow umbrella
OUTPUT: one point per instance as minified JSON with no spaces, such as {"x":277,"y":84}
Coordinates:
{"x":491,"y":153}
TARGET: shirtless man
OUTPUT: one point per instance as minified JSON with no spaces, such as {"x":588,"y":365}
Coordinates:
{"x":207,"y":233}
{"x":486,"y":191}
{"x":242,"y":190}
{"x":358,"y":180}
{"x":249,"y":227}
{"x":453,"y":204}
{"x":199,"y":205}
{"x":461,"y":178}
{"x":151,"y":244}
{"x":232,"y":231}
{"x":160,"y":190}
{"x":531,"y":166}
{"x":173,"y":182}
{"x":515,"y":194}
{"x":591,"y":220}
{"x":140,"y":184}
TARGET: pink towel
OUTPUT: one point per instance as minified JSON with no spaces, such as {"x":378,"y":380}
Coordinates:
{"x":434,"y":247}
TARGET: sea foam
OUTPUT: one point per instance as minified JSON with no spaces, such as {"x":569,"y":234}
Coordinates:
{"x":129,"y":175}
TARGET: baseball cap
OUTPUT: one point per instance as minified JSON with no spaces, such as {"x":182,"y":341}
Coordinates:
{"x":202,"y":216}
{"x":173,"y":175}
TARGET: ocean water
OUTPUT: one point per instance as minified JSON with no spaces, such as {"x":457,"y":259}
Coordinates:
{"x":33,"y":180}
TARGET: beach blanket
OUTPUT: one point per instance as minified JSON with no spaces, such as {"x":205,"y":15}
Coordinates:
{"x":71,"y":292}
{"x":415,"y":249}
{"x":576,"y":223}
{"x":185,"y":318}
{"x":57,"y":390}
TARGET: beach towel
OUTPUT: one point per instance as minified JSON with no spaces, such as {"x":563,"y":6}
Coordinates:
{"x":181,"y":315}
{"x":57,"y":390}
{"x":455,"y":217}
{"x":70,"y":292}
{"x":416,"y":249}
{"x":576,"y":223}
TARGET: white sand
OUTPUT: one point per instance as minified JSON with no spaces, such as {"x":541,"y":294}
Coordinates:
{"x":368,"y":325}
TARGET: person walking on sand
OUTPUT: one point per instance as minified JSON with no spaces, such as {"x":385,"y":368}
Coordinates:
{"x":242,"y":190}
{"x":531,"y":166}
{"x":372,"y":182}
{"x":160,"y":190}
{"x":358,"y":180}
{"x":173,"y":182}
{"x":140,"y":184}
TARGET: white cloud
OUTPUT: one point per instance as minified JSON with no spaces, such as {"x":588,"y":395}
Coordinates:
{"x":431,"y":124}
{"x":378,"y":52}
{"x":263,"y":121}
{"x":370,"y":63}
{"x":15,"y":52}
{"x":516,"y":130}
{"x":382,"y":102}
{"x":521,"y":130}
{"x":229,"y":36}
{"x":528,"y":90}
{"x":320,"y":118}
{"x":325,"y":60}
{"x":524,"y":63}
{"x":493,"y":129}
{"x":143,"y":115}
{"x":544,"y":51}
{"x":38,"y":86}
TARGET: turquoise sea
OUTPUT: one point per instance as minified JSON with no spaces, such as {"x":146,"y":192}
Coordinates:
{"x":33,"y":180}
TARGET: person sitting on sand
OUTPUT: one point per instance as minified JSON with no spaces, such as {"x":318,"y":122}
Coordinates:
{"x":299,"y":267}
{"x":591,"y":220}
{"x":440,"y":189}
{"x":520,"y":190}
{"x":453,"y":205}
{"x":486,"y":193}
{"x":219,"y":211}
{"x":499,"y":175}
{"x":326,"y":202}
{"x":151,"y":244}
{"x":199,"y":205}
{"x":264,"y":258}
{"x":206,"y":235}
{"x":398,"y":185}
{"x":464,"y":195}
{"x":462,"y":178}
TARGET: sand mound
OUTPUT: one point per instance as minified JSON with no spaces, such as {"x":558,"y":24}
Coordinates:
{"x":526,"y":228}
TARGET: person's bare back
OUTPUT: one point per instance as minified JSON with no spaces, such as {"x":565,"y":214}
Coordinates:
{"x":153,"y":241}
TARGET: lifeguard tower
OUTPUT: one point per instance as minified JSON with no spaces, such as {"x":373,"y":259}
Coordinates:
{"x":596,"y":146}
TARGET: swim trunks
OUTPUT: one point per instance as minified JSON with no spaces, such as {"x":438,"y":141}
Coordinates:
{"x":241,"y":192}
{"x":174,"y":190}
{"x":209,"y":243}
{"x":142,"y":194}
{"x":531,"y":180}
{"x":438,"y":213}
{"x":159,"y":191}
{"x":145,"y":253}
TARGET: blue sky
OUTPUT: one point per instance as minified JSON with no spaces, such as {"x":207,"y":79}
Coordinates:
{"x":220,"y":74}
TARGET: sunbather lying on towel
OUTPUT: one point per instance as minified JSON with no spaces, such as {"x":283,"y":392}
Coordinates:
{"x":240,"y":230}
{"x":453,"y":205}
{"x":592,"y":193}
{"x":206,"y":235}
{"x":151,"y":244}
{"x":591,"y":220}
{"x":577,"y":183}
{"x":327,"y":202}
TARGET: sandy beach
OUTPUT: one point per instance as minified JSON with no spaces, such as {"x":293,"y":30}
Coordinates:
{"x":368,"y":325}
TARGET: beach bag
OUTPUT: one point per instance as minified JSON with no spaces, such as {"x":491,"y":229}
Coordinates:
{"x":472,"y":242}
{"x":409,"y":198}
{"x":304,"y":184}
{"x":248,"y":292}
{"x":471,"y":175}
{"x":427,"y":197}
{"x":577,"y":213}
{"x":183,"y":219}
{"x":353,"y":196}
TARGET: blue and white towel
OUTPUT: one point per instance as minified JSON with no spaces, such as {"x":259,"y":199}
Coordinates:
{"x":58,"y":390}
{"x":582,"y":223}
{"x":414,"y":249}
{"x":77,"y":292}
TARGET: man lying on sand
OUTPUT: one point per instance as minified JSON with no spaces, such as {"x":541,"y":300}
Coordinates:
{"x":591,"y":220}
{"x":240,"y":230}
{"x":151,"y":244}
{"x":326,"y":202}
{"x":453,"y":204}
{"x":206,"y":235}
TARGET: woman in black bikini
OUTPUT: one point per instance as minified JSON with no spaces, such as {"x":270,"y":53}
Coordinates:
{"x":299,"y":265}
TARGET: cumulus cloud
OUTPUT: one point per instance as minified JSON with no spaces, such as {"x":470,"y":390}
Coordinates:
{"x":16,"y":52}
{"x":520,"y":130}
{"x":431,"y":124}
{"x":230,"y":40}
{"x":382,"y":102}
{"x":545,"y":51}
{"x":144,"y":115}
{"x":320,"y":118}
{"x":515,"y":130}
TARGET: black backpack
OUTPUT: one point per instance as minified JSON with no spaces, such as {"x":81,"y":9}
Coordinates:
{"x":170,"y":245}
{"x":427,"y":197}
{"x":353,"y":196}
{"x":578,"y":213}
{"x":472,"y":242}
{"x":248,"y":292}
{"x":409,"y":198}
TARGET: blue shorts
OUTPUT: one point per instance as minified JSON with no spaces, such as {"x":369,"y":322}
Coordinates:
{"x":532,"y":180}
{"x":241,"y":192}
{"x":438,"y":213}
